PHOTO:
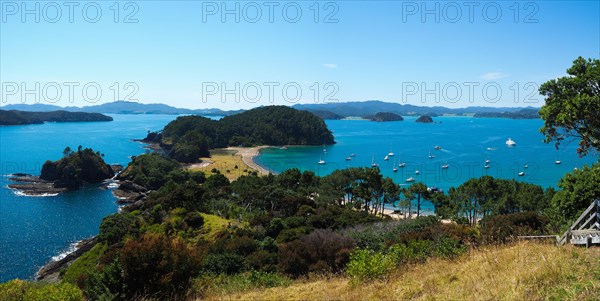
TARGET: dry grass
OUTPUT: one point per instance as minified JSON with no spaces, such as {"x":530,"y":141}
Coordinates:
{"x":524,"y":271}
{"x":225,"y":162}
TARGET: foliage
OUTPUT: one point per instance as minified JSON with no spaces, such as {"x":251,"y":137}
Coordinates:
{"x":158,"y":266}
{"x":485,"y":196}
{"x":85,"y":264}
{"x":319,"y":251}
{"x":34,"y":291}
{"x":115,"y":227}
{"x":571,"y":108}
{"x":367,"y":264}
{"x":501,"y":228}
{"x":151,"y":170}
{"x":577,"y":191}
{"x":77,"y":168}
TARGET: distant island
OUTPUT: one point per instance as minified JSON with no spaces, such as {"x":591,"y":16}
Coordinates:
{"x":74,"y":170}
{"x":122,"y":107}
{"x":424,"y":119}
{"x":15,"y":117}
{"x":365,"y":109}
{"x":385,"y":116}
{"x":521,"y":114}
{"x":188,"y":138}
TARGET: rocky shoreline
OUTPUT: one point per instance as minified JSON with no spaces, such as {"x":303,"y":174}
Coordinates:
{"x":50,"y":271}
{"x":31,"y":185}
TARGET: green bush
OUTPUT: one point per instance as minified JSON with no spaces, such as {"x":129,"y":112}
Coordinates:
{"x":367,"y":265}
{"x":35,"y":291}
{"x":224,"y":263}
{"x":214,"y":284}
{"x":502,"y":228}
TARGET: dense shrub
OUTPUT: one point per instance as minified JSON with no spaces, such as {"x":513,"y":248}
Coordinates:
{"x":224,"y":263}
{"x":501,"y":228}
{"x":213,"y":284}
{"x":319,"y":251}
{"x":35,"y":291}
{"x":368,"y":264}
{"x":114,"y":228}
{"x":158,"y":266}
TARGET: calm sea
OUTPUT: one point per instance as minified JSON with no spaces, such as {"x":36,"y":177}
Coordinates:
{"x":34,"y":229}
{"x":466,"y":145}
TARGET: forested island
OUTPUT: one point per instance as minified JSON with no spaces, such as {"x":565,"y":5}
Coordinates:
{"x":188,"y":138}
{"x":385,"y":116}
{"x":14,"y":117}
{"x":424,"y":119}
{"x":521,"y":114}
{"x":75,"y":169}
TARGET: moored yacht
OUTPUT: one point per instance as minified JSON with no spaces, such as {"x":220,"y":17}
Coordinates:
{"x":411,"y":179}
{"x":510,"y":142}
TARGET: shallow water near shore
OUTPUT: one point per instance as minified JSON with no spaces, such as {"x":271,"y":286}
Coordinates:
{"x":33,"y":230}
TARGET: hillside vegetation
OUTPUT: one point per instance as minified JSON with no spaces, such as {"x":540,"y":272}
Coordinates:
{"x":523,"y":271}
{"x":77,"y":168}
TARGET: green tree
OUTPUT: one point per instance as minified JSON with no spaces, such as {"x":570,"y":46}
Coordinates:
{"x":572,"y":106}
{"x":418,"y":191}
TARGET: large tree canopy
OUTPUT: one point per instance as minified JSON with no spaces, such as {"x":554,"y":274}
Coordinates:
{"x":572,"y":108}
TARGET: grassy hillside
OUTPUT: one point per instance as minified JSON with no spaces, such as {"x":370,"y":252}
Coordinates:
{"x":524,"y":271}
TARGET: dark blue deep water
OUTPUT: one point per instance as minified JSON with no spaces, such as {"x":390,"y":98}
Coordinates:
{"x":34,"y":229}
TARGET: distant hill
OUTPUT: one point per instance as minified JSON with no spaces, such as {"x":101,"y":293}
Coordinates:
{"x":372,"y":107}
{"x":121,"y":107}
{"x":385,"y":116}
{"x":327,"y":115}
{"x":15,"y":117}
{"x":521,"y":114}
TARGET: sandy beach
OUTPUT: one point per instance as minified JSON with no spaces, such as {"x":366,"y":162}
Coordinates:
{"x":248,"y":154}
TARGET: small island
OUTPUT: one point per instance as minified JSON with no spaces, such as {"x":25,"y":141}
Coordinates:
{"x":14,"y":117}
{"x":424,"y":119}
{"x":74,"y":170}
{"x":188,"y":138}
{"x":385,"y":116}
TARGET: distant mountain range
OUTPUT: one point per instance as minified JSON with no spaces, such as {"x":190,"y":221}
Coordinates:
{"x":372,"y":107}
{"x":121,"y":107}
{"x":325,"y":111}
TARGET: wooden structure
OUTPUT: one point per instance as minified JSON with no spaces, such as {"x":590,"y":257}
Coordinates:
{"x":586,"y":230}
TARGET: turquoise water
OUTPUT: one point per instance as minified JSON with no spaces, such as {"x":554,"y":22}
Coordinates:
{"x":34,"y":229}
{"x":464,"y":141}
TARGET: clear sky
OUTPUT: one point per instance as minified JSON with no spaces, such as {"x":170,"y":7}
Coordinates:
{"x":188,"y":54}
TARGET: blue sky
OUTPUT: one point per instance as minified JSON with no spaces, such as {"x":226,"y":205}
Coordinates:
{"x":183,"y":54}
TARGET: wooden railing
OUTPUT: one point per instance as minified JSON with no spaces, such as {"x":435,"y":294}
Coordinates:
{"x":588,"y":220}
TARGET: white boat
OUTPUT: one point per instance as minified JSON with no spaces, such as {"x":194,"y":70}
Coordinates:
{"x":402,"y":165}
{"x":348,"y":158}
{"x":352,"y":155}
{"x":510,"y":142}
{"x":417,"y":172}
{"x":487,"y":161}
{"x":445,"y":166}
{"x":526,"y":166}
{"x":431,"y":156}
{"x":386,"y":158}
{"x":411,"y":179}
{"x":437,"y":147}
{"x":395,"y":169}
{"x":486,"y":166}
{"x":521,"y":174}
{"x":557,"y":162}
{"x":321,"y":162}
{"x":390,"y":154}
{"x":373,"y":164}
